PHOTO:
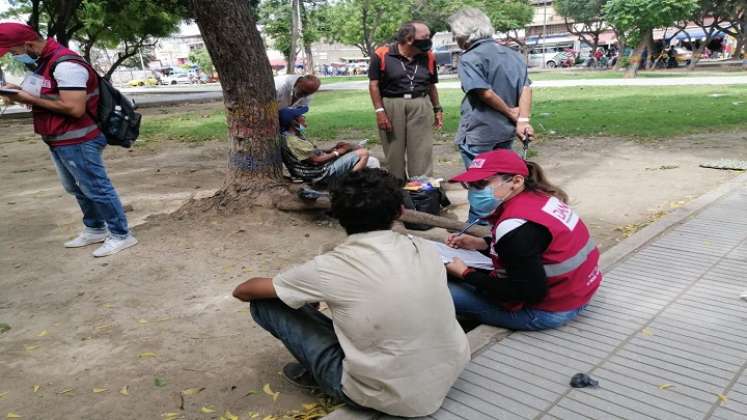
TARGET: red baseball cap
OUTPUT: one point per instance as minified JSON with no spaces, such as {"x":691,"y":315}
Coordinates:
{"x":487,"y":164}
{"x":14,"y":34}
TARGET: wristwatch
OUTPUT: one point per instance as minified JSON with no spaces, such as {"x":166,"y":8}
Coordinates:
{"x":437,"y":109}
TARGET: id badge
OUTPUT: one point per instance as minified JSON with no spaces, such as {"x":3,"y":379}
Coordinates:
{"x":407,"y":96}
{"x":33,"y":84}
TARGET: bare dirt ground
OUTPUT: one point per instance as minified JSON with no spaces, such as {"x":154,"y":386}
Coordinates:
{"x":159,"y":318}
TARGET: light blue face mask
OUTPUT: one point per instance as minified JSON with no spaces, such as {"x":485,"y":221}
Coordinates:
{"x":25,"y":59}
{"x":483,"y":202}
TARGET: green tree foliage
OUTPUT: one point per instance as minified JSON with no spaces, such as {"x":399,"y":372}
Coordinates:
{"x":202,"y":59}
{"x":636,"y":20}
{"x":368,"y":23}
{"x":365,"y":23}
{"x":275,"y":18}
{"x":126,"y":26}
{"x":583,"y":18}
{"x":711,"y":16}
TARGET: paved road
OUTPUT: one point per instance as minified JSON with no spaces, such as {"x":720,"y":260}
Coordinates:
{"x":181,"y":94}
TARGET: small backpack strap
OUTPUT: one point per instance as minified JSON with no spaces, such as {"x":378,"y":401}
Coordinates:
{"x":381,"y":52}
{"x":431,"y":63}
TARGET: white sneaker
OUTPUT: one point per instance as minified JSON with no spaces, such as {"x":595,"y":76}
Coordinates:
{"x":87,"y":237}
{"x":113,"y":245}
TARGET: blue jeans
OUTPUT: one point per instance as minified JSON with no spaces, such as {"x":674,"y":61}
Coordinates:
{"x":472,"y":304}
{"x":310,"y":337}
{"x":82,"y":172}
{"x":469,"y":152}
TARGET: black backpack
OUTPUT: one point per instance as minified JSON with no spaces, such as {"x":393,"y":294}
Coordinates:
{"x":115,"y":116}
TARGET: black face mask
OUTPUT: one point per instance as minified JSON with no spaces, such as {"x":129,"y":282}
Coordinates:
{"x":423,"y":45}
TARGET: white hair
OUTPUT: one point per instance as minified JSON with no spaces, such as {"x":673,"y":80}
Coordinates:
{"x":470,"y":24}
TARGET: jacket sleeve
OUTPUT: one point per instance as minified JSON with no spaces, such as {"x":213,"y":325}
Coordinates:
{"x":521,"y":252}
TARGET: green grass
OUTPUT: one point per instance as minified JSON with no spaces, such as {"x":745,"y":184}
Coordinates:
{"x":631,"y":112}
{"x":338,"y":79}
{"x":613,"y":74}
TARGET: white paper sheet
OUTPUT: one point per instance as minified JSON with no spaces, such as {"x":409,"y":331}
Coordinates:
{"x":473,"y":259}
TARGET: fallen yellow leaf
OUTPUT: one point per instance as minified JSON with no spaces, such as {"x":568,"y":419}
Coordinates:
{"x":665,"y":386}
{"x":125,"y":390}
{"x":65,"y":391}
{"x":647,"y":332}
{"x":267,"y":390}
{"x":311,"y":406}
{"x":13,"y":415}
{"x":146,"y":354}
{"x":31,"y":348}
{"x":142,"y":321}
{"x":255,"y":415}
{"x":722,"y":399}
{"x":99,"y":390}
{"x":43,"y":333}
{"x":192,"y":391}
{"x":3,"y":394}
{"x":269,"y":418}
{"x":36,"y":388}
{"x":207,"y":410}
{"x":170,"y":415}
{"x":229,"y":416}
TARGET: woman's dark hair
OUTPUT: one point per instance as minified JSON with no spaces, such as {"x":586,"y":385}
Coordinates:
{"x":536,"y":181}
{"x":367,"y":200}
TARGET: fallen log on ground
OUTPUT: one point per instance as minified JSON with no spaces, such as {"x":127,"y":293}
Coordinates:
{"x":409,"y":216}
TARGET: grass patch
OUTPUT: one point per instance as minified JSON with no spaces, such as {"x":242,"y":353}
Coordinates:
{"x":338,"y":79}
{"x":637,"y":112}
{"x":613,"y":74}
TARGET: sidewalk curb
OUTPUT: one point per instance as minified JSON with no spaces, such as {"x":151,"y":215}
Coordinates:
{"x":485,"y":335}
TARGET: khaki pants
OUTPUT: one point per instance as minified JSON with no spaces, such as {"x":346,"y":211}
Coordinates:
{"x":409,"y":146}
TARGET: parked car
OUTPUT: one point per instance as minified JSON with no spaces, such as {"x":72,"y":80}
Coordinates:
{"x":150,"y":81}
{"x":176,"y":78}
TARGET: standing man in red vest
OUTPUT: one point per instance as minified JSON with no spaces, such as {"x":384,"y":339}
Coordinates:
{"x":402,"y":85}
{"x":63,"y":98}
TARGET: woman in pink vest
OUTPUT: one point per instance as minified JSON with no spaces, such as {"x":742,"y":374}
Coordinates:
{"x":544,"y":261}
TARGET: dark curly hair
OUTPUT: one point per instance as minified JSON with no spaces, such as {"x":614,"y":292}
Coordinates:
{"x":367,"y":200}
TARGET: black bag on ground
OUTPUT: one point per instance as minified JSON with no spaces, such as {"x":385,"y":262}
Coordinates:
{"x":427,"y":201}
{"x":115,"y":116}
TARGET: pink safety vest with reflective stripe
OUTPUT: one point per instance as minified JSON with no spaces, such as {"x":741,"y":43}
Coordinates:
{"x":571,"y":259}
{"x":58,"y":129}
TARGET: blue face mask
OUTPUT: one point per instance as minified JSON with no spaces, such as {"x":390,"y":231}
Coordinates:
{"x":483,"y":202}
{"x":25,"y":59}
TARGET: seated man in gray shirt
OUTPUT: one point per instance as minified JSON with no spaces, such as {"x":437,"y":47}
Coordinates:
{"x":498,"y":97}
{"x":393,"y":343}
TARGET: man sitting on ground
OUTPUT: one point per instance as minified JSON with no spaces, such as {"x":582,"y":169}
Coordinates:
{"x":393,"y":343}
{"x":306,"y":161}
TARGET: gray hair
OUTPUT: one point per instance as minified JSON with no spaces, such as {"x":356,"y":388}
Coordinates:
{"x":470,"y":24}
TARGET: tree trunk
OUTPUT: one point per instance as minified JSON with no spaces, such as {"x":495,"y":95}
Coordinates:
{"x":309,"y":59}
{"x":230,"y":33}
{"x":635,"y":58}
{"x":621,"y":52}
{"x":291,"y":68}
{"x":698,"y":54}
{"x":650,"y":56}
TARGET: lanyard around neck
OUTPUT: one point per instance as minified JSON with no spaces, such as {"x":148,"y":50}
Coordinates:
{"x":411,"y":78}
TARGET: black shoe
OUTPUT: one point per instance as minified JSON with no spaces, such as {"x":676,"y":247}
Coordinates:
{"x":299,"y":376}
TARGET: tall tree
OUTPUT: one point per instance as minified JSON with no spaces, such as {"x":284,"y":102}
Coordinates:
{"x":737,"y":28}
{"x":636,"y":20}
{"x":230,"y":33}
{"x":365,"y":23}
{"x":583,"y":18}
{"x":710,"y":16}
{"x":508,"y":17}
{"x":125,"y":26}
{"x":275,"y":16}
{"x":112,"y":24}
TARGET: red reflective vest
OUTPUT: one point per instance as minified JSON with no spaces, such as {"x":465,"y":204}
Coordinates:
{"x":58,"y":129}
{"x":571,"y":259}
